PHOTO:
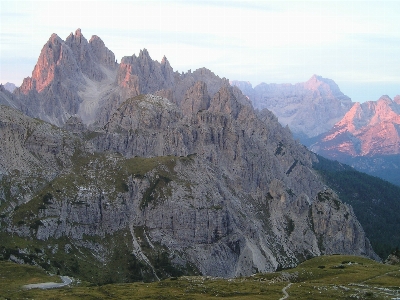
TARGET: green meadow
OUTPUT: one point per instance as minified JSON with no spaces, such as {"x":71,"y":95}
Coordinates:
{"x":324,"y":277}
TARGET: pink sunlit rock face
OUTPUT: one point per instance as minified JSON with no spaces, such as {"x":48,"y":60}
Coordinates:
{"x":368,"y":129}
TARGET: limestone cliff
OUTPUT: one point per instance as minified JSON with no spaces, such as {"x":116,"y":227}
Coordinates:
{"x":225,"y":190}
{"x":195,"y":183}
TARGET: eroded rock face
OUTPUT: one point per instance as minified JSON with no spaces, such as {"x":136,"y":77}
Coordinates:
{"x":231,"y":194}
{"x":192,"y":171}
{"x":266,"y":176}
{"x":77,"y":77}
{"x":196,"y":99}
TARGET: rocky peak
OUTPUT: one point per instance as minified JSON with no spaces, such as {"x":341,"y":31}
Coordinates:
{"x":224,"y":101}
{"x":367,"y":129}
{"x":167,"y":72}
{"x":102,"y":54}
{"x":141,"y":75}
{"x":45,"y":68}
{"x":196,"y":99}
{"x":77,"y":38}
{"x":309,"y":108}
{"x":84,"y":56}
{"x":10,"y":87}
{"x":370,"y":113}
{"x":326,"y":87}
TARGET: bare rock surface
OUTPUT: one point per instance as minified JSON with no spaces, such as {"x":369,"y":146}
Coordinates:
{"x":368,"y":129}
{"x":159,"y":163}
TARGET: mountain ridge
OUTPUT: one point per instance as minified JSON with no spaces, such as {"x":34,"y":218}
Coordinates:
{"x":309,"y":108}
{"x":168,"y":173}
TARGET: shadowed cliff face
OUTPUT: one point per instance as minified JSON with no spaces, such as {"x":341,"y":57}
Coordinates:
{"x":196,"y":182}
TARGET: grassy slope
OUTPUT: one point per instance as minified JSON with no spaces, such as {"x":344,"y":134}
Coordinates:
{"x":325,"y":277}
{"x":375,"y":202}
{"x":112,"y":173}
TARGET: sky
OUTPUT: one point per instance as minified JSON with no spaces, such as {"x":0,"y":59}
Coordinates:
{"x":355,"y":43}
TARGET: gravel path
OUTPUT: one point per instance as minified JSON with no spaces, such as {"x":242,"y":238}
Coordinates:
{"x":286,"y":295}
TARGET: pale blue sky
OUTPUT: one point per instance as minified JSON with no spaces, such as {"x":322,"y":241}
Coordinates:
{"x":355,"y":43}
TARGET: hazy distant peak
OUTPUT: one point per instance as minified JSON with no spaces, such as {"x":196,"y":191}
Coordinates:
{"x":144,"y":53}
{"x":10,"y":87}
{"x":385,"y":98}
{"x":316,"y":81}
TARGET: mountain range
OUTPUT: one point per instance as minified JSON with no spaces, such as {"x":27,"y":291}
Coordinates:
{"x":363,"y":135}
{"x":309,"y":108}
{"x":133,"y":171}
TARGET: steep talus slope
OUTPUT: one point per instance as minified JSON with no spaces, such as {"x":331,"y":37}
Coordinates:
{"x":308,"y":108}
{"x":81,"y":77}
{"x":52,"y":92}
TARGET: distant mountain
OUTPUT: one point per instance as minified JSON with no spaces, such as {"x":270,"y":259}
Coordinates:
{"x":308,"y":108}
{"x":368,"y":138}
{"x":10,"y":87}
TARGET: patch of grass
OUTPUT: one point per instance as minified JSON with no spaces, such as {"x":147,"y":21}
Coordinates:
{"x":13,"y":276}
{"x":156,"y":191}
{"x":362,"y":279}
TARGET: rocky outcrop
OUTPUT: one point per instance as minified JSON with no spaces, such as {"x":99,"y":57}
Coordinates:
{"x":308,"y":108}
{"x":223,"y":189}
{"x":192,"y":176}
{"x":64,"y":68}
{"x":196,"y":99}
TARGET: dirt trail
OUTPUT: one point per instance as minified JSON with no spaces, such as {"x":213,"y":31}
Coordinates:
{"x":286,"y":295}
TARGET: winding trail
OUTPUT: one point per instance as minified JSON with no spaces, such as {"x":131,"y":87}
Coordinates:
{"x":49,"y":285}
{"x":286,"y":295}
